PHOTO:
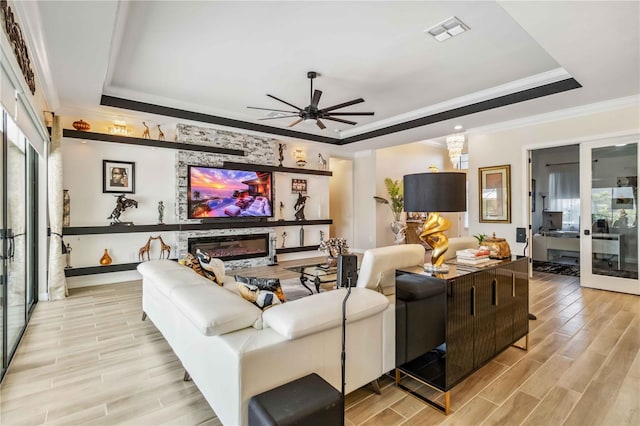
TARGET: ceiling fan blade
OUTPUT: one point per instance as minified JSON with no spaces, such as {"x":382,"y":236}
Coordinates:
{"x":346,"y":104}
{"x":316,"y":98}
{"x":275,"y":118}
{"x":340,"y":120}
{"x":294,"y":123}
{"x":320,"y":124}
{"x":271,"y":109}
{"x":350,"y":113}
{"x":284,"y":102}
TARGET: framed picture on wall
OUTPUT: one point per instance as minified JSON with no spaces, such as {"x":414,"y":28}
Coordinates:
{"x":298,"y":185}
{"x":118,"y":176}
{"x":495,"y":194}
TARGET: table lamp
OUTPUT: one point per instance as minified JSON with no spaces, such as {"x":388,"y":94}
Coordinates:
{"x":435,"y":193}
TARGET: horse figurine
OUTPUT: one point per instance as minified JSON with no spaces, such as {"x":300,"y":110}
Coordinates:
{"x":145,"y":249}
{"x":122,"y":203}
{"x":164,"y":248}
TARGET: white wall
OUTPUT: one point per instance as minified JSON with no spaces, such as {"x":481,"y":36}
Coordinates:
{"x":82,"y":176}
{"x":510,"y":146}
{"x":394,"y":163}
{"x":341,"y":199}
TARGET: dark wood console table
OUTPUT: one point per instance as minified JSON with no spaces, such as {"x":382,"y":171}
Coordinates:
{"x":486,"y":312}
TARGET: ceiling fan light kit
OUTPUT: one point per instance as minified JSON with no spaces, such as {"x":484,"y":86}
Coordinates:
{"x":311,"y":113}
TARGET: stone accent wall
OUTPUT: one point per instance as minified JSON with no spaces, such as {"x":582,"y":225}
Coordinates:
{"x":258,"y":149}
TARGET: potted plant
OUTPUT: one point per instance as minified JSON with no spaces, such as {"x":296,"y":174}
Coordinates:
{"x":333,"y":247}
{"x":396,"y":204}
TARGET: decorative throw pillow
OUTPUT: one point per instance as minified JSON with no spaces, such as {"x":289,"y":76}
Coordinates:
{"x":269,"y":284}
{"x":212,"y":268}
{"x":264,"y":299}
{"x":191,"y":262}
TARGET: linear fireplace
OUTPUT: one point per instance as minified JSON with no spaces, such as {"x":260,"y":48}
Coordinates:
{"x":232,"y":247}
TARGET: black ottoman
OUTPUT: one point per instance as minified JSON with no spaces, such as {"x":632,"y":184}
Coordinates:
{"x":309,"y":400}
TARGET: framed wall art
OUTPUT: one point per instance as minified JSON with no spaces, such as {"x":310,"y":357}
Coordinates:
{"x":495,"y":194}
{"x":298,"y":185}
{"x":118,"y":176}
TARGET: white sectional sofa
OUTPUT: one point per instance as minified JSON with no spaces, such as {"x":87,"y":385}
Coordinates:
{"x":233,"y":350}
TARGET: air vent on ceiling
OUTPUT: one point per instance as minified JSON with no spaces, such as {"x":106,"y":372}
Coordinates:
{"x":446,"y":29}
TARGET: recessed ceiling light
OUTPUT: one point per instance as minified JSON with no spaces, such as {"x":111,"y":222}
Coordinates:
{"x":446,"y":29}
{"x":457,"y":127}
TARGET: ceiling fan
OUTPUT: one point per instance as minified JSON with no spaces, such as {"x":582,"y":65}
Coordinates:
{"x":312,"y":112}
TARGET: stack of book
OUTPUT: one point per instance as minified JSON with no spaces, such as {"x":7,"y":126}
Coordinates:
{"x":472,"y":256}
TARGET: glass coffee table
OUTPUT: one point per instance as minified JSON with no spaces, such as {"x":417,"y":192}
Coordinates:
{"x":317,"y":274}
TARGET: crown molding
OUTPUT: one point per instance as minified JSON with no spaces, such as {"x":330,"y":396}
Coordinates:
{"x":563,"y":114}
{"x":531,"y":82}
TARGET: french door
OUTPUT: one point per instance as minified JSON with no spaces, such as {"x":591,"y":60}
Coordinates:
{"x":609,"y":215}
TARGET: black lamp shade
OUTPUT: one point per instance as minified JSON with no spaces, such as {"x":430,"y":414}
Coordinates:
{"x":435,"y":192}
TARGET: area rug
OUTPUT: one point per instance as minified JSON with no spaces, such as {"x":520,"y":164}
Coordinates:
{"x":556,"y":268}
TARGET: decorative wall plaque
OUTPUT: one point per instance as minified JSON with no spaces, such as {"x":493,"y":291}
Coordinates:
{"x":14,"y":33}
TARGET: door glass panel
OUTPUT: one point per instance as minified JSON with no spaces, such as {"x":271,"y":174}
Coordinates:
{"x":3,"y":293}
{"x":15,"y":234}
{"x":614,"y":190}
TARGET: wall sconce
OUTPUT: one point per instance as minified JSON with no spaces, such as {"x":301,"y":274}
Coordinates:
{"x":119,"y":128}
{"x":300,"y":157}
{"x":455,"y":144}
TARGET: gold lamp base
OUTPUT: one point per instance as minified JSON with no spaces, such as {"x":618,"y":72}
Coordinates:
{"x":433,"y":234}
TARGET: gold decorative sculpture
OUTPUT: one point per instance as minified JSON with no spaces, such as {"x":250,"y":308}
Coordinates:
{"x":160,"y":134}
{"x":433,"y":234}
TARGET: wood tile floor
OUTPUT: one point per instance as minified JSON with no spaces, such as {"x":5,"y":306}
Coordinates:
{"x":90,"y":360}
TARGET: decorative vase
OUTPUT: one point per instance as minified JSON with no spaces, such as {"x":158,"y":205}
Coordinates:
{"x":398,"y":228}
{"x":81,"y":125}
{"x":301,"y":236}
{"x":66,"y":208}
{"x":105,"y":259}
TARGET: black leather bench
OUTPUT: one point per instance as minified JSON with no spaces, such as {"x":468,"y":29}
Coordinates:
{"x":420,"y":316}
{"x":309,"y":400}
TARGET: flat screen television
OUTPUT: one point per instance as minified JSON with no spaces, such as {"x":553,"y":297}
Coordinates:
{"x":228,"y":193}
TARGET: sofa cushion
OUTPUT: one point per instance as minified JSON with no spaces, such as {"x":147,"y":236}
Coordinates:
{"x":263,"y":299}
{"x":322,"y":311}
{"x":190,"y":261}
{"x":214,"y":310}
{"x":269,"y":284}
{"x":378,"y":266}
{"x":167,"y":275}
{"x":213,"y":268}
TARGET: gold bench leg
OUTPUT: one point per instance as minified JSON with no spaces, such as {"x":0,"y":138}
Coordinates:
{"x":445,"y":409}
{"x":526,"y":343}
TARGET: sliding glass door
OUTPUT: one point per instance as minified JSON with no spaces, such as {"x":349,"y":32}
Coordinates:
{"x":15,"y":231}
{"x":609,"y":190}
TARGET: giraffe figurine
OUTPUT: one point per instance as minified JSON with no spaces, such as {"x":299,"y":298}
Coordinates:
{"x":164,"y":248}
{"x":160,"y":134}
{"x":145,"y":249}
{"x":145,"y":134}
{"x":322,"y":162}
